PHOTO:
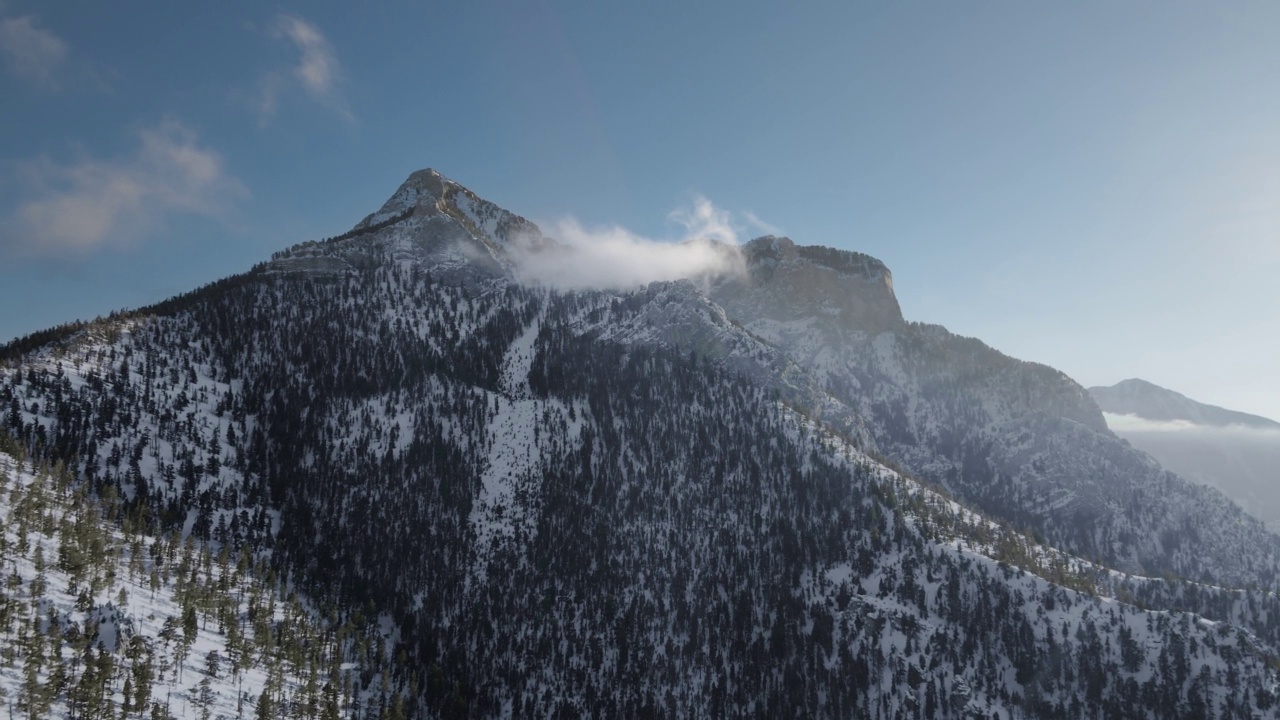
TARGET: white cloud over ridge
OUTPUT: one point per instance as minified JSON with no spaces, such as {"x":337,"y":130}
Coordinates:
{"x":317,"y":70}
{"x":82,"y":206}
{"x":614,"y":257}
{"x":30,"y":52}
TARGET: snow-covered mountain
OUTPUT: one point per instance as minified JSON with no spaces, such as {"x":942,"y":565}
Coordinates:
{"x":1019,"y":440}
{"x":716,"y":498}
{"x":1234,"y":452}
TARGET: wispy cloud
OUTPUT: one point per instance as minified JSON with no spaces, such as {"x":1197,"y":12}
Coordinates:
{"x":705,"y":221}
{"x":614,"y":257}
{"x":761,"y":226}
{"x":91,"y":203}
{"x":317,"y":70}
{"x":1133,"y":423}
{"x":31,"y":52}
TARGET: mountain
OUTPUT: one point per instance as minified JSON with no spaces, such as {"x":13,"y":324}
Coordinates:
{"x":1021,"y":441}
{"x":760,"y":493}
{"x":1234,"y":452}
{"x":1152,"y":402}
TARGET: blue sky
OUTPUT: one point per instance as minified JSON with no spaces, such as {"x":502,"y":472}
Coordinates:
{"x":1095,"y":186}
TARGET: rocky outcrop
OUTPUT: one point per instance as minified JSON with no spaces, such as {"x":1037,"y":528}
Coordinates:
{"x":844,"y":292}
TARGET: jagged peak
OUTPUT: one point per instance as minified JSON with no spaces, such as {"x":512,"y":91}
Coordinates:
{"x":428,"y":193}
{"x":428,"y":182}
{"x":420,"y":193}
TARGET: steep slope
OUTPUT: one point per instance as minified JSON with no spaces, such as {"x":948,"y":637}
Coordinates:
{"x":1236,"y":453}
{"x":1020,"y":440}
{"x":607,"y":503}
{"x":97,"y":619}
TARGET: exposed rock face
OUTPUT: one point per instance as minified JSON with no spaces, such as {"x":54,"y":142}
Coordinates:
{"x":846,"y":293}
{"x":428,"y":195}
{"x":429,"y":220}
{"x":421,"y":192}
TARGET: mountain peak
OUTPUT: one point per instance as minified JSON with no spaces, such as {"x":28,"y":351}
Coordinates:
{"x":420,"y":194}
{"x":429,"y":178}
{"x":1152,"y":402}
{"x":428,"y":193}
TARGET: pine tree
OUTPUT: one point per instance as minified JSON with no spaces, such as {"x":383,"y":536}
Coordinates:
{"x":33,"y":698}
{"x":264,"y":709}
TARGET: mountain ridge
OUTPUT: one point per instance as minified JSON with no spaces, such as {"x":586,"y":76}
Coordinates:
{"x":665,"y":500}
{"x":1151,"y":402}
{"x":855,"y":361}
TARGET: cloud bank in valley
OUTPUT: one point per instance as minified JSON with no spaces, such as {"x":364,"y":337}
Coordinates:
{"x":1241,"y":461}
{"x":614,"y":257}
{"x":1123,"y":424}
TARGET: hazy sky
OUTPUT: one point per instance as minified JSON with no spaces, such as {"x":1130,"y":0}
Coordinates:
{"x":1095,"y":186}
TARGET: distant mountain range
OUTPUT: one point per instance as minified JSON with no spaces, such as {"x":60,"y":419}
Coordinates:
{"x":1152,"y":402}
{"x":1235,"y":452}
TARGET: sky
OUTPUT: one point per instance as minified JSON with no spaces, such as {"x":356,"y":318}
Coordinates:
{"x":1092,"y":185}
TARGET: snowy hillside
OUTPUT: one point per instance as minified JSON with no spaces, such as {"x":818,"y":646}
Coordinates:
{"x":102,"y":622}
{"x":717,"y":499}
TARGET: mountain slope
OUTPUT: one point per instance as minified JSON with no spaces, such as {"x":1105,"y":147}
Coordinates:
{"x":99,"y":620}
{"x":632,"y":502}
{"x":1020,"y":440}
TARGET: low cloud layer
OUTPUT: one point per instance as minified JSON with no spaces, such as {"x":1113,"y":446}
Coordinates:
{"x":317,"y":70}
{"x":614,"y":257}
{"x":31,"y":52}
{"x":1122,"y":424}
{"x":93,"y":203}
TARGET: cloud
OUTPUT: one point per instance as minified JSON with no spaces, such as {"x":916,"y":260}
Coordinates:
{"x":1133,"y":423}
{"x":317,"y":70}
{"x":705,"y":221}
{"x":1122,"y":424}
{"x":761,"y":226}
{"x":30,"y":52}
{"x":614,"y":257}
{"x":90,"y":204}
